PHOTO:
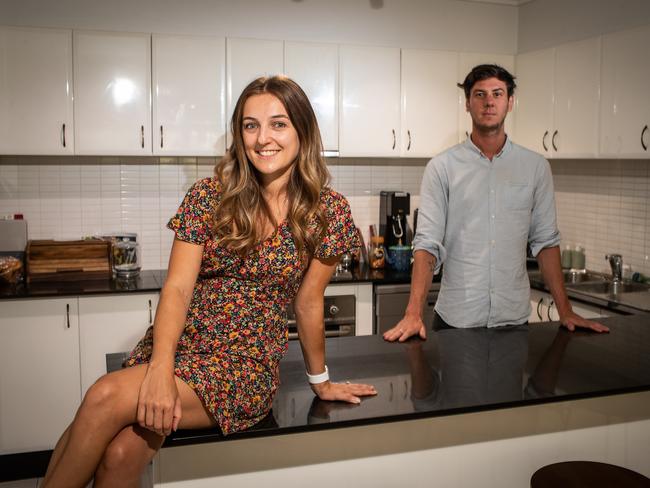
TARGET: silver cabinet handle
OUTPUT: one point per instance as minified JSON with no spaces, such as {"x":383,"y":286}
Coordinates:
{"x":150,"y":314}
{"x":142,"y":136}
{"x":539,"y":304}
{"x":544,"y":141}
{"x":466,"y":135}
{"x":161,"y":136}
{"x":67,"y":314}
{"x":394,"y":139}
{"x":406,"y":389}
{"x":63,"y":134}
{"x":553,"y":140}
{"x":390,"y":397}
{"x":408,"y":132}
{"x":645,"y":129}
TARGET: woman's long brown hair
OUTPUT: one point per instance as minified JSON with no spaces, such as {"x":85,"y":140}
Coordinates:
{"x":240,"y":216}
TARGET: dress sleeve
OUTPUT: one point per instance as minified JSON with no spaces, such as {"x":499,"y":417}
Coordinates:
{"x":192,"y":220}
{"x":341,"y":235}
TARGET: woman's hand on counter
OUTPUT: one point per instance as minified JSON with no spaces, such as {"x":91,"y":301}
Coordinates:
{"x":572,"y":320}
{"x":345,"y":392}
{"x":159,"y":405}
{"x":409,"y":326}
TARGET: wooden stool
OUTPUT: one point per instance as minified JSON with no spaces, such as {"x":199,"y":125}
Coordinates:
{"x":579,"y":474}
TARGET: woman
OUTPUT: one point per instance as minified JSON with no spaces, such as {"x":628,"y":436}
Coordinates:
{"x":265,"y":230}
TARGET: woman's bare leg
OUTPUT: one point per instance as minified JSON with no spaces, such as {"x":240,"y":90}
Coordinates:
{"x":133,"y":448}
{"x":58,"y":449}
{"x":109,"y":406}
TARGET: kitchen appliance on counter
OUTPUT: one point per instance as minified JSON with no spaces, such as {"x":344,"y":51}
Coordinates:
{"x":391,"y":302}
{"x":394,"y":206}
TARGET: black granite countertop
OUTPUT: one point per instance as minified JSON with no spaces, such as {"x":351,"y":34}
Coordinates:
{"x":152,"y":281}
{"x":457,"y":371}
{"x":147,"y":281}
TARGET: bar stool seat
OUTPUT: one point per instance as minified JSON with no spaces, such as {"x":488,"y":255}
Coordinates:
{"x":579,"y":474}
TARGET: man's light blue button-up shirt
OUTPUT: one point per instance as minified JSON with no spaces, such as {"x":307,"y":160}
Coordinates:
{"x":476,"y":217}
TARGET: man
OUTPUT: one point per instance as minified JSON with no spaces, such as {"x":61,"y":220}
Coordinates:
{"x":482,"y":202}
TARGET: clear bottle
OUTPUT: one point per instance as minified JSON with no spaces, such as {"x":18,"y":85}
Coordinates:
{"x":578,"y":258}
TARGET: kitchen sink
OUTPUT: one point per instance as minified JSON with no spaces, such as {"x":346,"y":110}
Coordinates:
{"x":610,"y":287}
{"x":572,"y":277}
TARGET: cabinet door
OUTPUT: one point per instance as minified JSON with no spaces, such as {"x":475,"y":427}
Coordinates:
{"x":39,"y":372}
{"x":538,"y":306}
{"x":624,"y":102}
{"x":35,"y":91}
{"x":429,"y":102}
{"x":466,"y":62}
{"x":111,"y":324}
{"x":189,"y":95}
{"x":577,"y":90}
{"x":534,"y":100}
{"x":315,"y":67}
{"x":370,"y":95}
{"x":112,"y":107}
{"x":248,"y":59}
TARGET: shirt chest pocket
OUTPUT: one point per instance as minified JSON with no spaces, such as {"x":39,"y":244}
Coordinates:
{"x":517,"y":196}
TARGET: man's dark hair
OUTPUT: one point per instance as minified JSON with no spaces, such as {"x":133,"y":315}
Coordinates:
{"x":485,"y":71}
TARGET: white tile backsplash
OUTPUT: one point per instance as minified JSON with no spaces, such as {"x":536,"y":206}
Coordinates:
{"x":603,"y":205}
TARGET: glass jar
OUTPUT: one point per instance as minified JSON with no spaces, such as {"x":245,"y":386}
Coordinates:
{"x":126,"y":258}
{"x":567,"y":257}
{"x":578,"y":258}
{"x":377,"y":253}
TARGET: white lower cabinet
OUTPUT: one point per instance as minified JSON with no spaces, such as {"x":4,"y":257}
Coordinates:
{"x":39,"y":372}
{"x":545,"y":310}
{"x":111,"y":324}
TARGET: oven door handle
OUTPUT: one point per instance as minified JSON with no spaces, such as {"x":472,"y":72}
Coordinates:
{"x":342,"y":331}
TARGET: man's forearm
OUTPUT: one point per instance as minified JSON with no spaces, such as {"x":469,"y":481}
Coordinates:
{"x":549,"y":263}
{"x":424,"y":264}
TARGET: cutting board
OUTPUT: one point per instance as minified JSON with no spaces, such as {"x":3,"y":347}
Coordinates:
{"x":49,"y":260}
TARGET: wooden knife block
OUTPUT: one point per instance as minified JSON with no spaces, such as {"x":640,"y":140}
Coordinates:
{"x":49,"y":260}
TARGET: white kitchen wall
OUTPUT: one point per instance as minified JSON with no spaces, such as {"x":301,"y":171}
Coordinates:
{"x":68,"y":198}
{"x":435,"y":24}
{"x":547,"y":23}
{"x":605,"y":206}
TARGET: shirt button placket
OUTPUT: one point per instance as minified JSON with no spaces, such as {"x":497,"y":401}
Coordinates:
{"x":492,"y":236}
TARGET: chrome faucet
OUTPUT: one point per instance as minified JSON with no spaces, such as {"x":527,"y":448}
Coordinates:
{"x":616,"y":263}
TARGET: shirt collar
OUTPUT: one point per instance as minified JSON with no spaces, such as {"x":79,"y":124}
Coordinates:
{"x":469,"y":144}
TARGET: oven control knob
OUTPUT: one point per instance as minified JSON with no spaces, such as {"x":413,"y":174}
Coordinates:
{"x":334,"y":309}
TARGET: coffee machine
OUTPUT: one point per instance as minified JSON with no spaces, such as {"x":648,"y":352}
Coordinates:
{"x":394,"y":206}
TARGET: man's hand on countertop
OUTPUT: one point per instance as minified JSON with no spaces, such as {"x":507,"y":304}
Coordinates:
{"x":409,"y":326}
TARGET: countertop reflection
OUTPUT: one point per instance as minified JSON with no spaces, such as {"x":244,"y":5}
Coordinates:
{"x":458,"y":371}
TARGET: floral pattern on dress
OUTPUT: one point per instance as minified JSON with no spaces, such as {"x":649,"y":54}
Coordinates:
{"x":236,"y":327}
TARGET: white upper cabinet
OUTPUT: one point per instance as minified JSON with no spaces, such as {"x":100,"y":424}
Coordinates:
{"x":466,"y":62}
{"x":429,"y":102}
{"x":315,"y":67}
{"x":534,"y":100}
{"x":558,"y":99}
{"x":248,"y":59}
{"x":370,"y":101}
{"x":625,"y":102}
{"x":36,"y":91}
{"x":577,"y":92}
{"x":112,"y":105}
{"x":189,"y":95}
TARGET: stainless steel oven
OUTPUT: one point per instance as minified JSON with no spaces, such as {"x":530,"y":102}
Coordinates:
{"x":391,"y":301}
{"x":339,"y":313}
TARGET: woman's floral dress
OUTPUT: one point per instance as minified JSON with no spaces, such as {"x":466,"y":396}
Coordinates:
{"x":236,"y":326}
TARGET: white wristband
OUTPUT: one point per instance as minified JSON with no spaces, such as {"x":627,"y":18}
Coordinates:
{"x":315,"y":379}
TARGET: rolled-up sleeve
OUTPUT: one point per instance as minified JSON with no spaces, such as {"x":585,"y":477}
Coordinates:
{"x":543,"y":225}
{"x":432,"y":215}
